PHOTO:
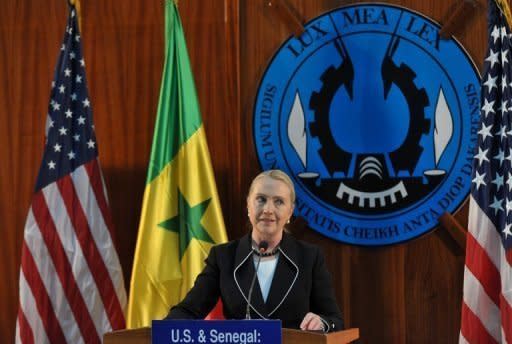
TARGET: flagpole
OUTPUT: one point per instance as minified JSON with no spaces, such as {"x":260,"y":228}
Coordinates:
{"x":505,"y":9}
{"x":76,"y":3}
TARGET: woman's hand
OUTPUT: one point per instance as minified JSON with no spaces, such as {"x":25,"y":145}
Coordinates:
{"x":312,"y":322}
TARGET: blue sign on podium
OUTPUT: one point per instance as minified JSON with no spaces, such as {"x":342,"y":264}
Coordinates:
{"x":216,"y":331}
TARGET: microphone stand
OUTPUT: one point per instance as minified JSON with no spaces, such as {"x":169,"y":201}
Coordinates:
{"x":262,"y":247}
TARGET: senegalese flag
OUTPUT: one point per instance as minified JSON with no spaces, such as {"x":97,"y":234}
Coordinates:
{"x":181,"y":216}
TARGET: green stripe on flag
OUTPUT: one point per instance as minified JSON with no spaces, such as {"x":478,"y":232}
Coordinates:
{"x":178,"y":97}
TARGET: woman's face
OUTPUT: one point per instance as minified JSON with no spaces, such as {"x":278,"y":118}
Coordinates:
{"x":270,"y":207}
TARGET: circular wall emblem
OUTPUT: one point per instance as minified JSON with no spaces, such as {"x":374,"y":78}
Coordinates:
{"x":374,"y":117}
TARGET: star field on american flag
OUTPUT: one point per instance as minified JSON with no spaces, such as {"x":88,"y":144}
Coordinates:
{"x":492,"y":166}
{"x":70,"y":138}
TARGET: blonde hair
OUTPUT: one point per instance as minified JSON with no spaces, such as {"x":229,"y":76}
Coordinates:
{"x":276,"y":175}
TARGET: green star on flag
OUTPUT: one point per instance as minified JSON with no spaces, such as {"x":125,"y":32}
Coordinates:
{"x":187,"y":223}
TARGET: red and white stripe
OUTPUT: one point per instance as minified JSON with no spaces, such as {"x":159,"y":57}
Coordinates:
{"x":71,"y":282}
{"x":487,"y":299}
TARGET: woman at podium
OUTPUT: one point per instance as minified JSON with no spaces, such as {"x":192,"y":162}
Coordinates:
{"x":267,"y":274}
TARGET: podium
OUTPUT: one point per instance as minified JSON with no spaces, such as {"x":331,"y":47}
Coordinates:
{"x":290,"y":336}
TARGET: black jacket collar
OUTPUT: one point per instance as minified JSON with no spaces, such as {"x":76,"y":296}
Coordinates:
{"x":285,"y":275}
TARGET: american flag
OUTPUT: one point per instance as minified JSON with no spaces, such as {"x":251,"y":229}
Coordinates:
{"x":71,"y":283}
{"x":487,"y":300}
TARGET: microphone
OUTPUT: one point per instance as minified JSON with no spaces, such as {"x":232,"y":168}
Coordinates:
{"x":262,"y":247}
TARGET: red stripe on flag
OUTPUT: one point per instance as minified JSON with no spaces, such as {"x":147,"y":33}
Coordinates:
{"x":63,"y":268}
{"x":26,"y":333}
{"x":44,"y":304}
{"x":472,"y":328}
{"x":91,"y":253}
{"x":217,"y":313}
{"x":96,"y":181}
{"x":478,"y":262}
{"x":506,"y":318}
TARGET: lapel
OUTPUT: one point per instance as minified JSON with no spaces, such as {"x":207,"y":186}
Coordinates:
{"x":285,"y":275}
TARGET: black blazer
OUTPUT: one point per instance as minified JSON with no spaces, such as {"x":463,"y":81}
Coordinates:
{"x":301,"y":284}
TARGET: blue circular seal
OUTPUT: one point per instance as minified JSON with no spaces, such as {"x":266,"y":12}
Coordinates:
{"x":375,"y":118}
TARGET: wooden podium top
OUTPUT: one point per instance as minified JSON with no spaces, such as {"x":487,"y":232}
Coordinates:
{"x":143,"y":336}
{"x":298,"y":337}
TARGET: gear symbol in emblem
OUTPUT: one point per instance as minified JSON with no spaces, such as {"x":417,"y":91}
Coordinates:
{"x":337,"y":160}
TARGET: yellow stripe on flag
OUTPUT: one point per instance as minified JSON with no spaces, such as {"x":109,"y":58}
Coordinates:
{"x":159,"y":279}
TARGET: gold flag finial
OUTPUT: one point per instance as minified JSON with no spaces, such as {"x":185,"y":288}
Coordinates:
{"x":505,"y":9}
{"x":76,"y":3}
